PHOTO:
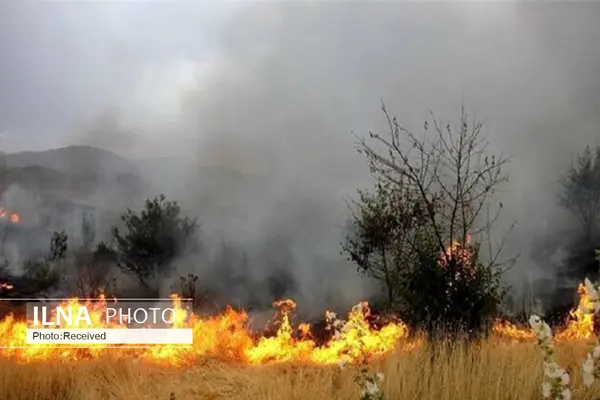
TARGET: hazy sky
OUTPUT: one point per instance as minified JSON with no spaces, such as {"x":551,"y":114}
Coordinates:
{"x":282,"y":85}
{"x":279,"y":87}
{"x":68,"y":63}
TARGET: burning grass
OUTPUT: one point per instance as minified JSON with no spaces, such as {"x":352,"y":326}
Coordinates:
{"x":486,"y":371}
{"x":227,"y":361}
{"x":225,"y":336}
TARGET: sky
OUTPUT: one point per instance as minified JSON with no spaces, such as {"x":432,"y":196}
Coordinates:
{"x":68,"y":63}
{"x":283,"y":87}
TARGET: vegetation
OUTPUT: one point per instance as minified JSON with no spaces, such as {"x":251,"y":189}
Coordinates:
{"x":153,"y":239}
{"x":413,"y":231}
{"x":382,"y":239}
{"x":423,"y":232}
{"x":93,"y":271}
{"x":487,"y":371}
{"x":46,"y":272}
{"x":580,"y":196}
{"x":146,"y":249}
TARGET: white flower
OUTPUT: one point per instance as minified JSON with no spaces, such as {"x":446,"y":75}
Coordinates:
{"x":380,"y":376}
{"x":565,"y":379}
{"x":596,"y":353}
{"x":553,"y":371}
{"x":588,"y":379}
{"x":535,"y":322}
{"x":542,"y":330}
{"x":371,"y":388}
{"x":546,"y":389}
{"x":566,"y":394}
{"x":588,"y":365}
{"x":544,"y":333}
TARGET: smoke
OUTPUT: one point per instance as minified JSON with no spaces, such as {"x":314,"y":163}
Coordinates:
{"x":275,"y":92}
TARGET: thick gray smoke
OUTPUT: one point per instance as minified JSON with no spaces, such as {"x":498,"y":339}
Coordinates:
{"x":274,"y":91}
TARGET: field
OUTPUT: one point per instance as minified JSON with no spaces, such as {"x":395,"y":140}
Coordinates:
{"x":492,"y":370}
{"x":227,"y":362}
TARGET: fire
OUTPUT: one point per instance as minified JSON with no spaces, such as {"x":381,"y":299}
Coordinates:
{"x":6,"y":286}
{"x":579,"y":327}
{"x":224,"y":336}
{"x":228,"y":337}
{"x":14,"y":217}
{"x":463,"y":254}
{"x":581,"y":324}
{"x":506,"y":330}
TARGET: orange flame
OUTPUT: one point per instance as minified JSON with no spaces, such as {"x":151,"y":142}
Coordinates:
{"x":4,"y":285}
{"x":463,"y":254}
{"x":581,"y":324}
{"x":579,"y":327}
{"x":14,"y":217}
{"x":506,"y":330}
{"x":223,"y":336}
{"x":226,"y":336}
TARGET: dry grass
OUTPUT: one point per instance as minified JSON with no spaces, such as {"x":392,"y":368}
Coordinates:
{"x":490,"y":371}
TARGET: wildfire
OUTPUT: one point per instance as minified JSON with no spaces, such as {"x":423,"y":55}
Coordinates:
{"x":579,"y":327}
{"x":227,"y":336}
{"x":463,"y":254}
{"x":581,"y":324}
{"x":223,"y":336}
{"x":506,"y":330}
{"x":14,"y":217}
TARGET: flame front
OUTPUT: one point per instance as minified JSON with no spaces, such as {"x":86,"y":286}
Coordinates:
{"x":223,"y":336}
{"x":581,"y":324}
{"x":506,"y":330}
{"x":226,"y":336}
{"x":579,"y":327}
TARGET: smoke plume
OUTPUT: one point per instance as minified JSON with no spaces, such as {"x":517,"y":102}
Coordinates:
{"x":269,"y":96}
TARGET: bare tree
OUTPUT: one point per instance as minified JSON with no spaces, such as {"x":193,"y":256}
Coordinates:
{"x":452,"y":172}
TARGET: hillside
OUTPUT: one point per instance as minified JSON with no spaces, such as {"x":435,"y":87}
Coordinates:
{"x":73,"y":160}
{"x":85,"y":172}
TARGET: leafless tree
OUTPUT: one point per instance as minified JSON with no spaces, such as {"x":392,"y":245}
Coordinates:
{"x":451,"y":170}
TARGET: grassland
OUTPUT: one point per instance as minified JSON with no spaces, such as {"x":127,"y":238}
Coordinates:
{"x":489,"y":371}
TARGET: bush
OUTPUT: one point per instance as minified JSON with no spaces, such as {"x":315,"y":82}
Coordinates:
{"x":413,"y":232}
{"x":152,"y":239}
{"x":456,"y":295}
